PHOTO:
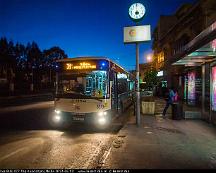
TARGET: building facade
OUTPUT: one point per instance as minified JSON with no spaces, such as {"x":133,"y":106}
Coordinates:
{"x":187,"y":42}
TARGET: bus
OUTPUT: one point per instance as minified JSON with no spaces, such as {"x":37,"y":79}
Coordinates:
{"x":92,"y":90}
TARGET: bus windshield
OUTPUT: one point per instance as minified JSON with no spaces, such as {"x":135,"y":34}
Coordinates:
{"x":93,"y":84}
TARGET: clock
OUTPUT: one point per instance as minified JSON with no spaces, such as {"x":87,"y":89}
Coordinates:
{"x":137,"y":11}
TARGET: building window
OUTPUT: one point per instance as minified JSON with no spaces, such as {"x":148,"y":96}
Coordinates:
{"x":160,"y":57}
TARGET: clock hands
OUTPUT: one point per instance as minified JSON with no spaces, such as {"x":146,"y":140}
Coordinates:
{"x":136,"y":11}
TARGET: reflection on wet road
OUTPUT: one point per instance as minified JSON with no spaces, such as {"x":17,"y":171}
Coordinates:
{"x":28,"y":141}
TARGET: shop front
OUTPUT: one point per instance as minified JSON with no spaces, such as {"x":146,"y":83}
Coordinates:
{"x":198,"y":79}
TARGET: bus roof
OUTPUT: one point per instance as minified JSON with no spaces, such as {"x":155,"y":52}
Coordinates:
{"x":90,"y":58}
{"x":83,"y":57}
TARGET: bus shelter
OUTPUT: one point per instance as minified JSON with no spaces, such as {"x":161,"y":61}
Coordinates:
{"x":198,"y":79}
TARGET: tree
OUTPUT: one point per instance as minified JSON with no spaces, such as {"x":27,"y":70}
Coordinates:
{"x":7,"y":53}
{"x":53,"y":54}
{"x":7,"y":58}
{"x":25,"y":65}
{"x":150,"y":78}
{"x":34,"y":63}
{"x":49,"y":61}
{"x":21,"y":56}
{"x":34,"y":55}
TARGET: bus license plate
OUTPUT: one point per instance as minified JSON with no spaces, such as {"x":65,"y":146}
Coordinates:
{"x":78,"y":118}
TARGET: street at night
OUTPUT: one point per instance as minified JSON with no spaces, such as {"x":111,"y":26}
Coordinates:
{"x":27,"y":140}
{"x":107,"y":85}
{"x":31,"y":142}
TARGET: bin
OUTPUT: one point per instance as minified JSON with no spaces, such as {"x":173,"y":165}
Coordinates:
{"x":177,"y":111}
{"x":148,"y":108}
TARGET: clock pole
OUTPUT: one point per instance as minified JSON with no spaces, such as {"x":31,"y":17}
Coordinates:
{"x":137,"y":87}
{"x":136,"y":13}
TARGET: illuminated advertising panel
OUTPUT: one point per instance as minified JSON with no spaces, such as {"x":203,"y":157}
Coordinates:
{"x":191,"y":86}
{"x":213,"y":88}
{"x":213,"y":45}
{"x":185,"y":87}
{"x":121,"y":76}
{"x":160,"y":73}
{"x":137,"y":34}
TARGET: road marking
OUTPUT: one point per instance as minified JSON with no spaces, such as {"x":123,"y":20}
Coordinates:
{"x":105,"y":156}
{"x":11,"y":154}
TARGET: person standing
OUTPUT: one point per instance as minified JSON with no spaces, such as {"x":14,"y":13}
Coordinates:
{"x":169,"y":101}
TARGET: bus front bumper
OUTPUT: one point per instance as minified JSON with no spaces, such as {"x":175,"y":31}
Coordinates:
{"x":100,"y":118}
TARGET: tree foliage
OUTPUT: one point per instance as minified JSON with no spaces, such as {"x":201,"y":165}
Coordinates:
{"x":18,"y":62}
{"x":51,"y":55}
{"x":151,"y":78}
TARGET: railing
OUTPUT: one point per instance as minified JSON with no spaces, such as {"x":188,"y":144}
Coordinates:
{"x":125,"y":100}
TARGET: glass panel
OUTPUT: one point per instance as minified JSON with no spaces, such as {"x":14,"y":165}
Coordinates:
{"x":191,"y":88}
{"x":84,"y":85}
{"x":207,"y":88}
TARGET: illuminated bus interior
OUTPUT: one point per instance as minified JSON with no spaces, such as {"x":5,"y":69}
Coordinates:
{"x":90,"y":84}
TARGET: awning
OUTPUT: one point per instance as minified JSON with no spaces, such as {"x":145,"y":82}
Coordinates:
{"x":200,"y":50}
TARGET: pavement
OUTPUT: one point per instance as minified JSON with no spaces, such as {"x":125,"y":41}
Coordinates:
{"x":162,"y":144}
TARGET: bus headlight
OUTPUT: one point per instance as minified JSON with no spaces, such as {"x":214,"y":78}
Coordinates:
{"x":102,"y":120}
{"x":102,"y":114}
{"x":57,"y":111}
{"x":56,"y":118}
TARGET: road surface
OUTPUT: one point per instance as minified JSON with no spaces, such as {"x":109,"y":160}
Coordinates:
{"x":27,"y":140}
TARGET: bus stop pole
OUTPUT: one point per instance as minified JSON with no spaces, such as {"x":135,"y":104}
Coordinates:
{"x":137,"y":87}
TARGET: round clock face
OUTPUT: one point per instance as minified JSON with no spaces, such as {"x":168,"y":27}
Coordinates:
{"x":137,"y":11}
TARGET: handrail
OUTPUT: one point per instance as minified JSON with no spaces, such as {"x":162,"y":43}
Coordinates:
{"x":126,"y":93}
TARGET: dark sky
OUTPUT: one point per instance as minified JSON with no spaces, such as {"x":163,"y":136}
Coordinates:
{"x":80,"y":27}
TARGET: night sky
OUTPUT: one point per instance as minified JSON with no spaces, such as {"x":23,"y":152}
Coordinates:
{"x":81,"y":27}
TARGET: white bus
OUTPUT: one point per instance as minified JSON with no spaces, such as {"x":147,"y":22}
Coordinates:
{"x":91,"y":90}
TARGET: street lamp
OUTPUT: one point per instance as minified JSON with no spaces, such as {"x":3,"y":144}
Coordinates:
{"x":149,"y":58}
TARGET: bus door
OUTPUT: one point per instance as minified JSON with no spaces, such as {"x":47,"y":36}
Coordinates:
{"x":114,"y":94}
